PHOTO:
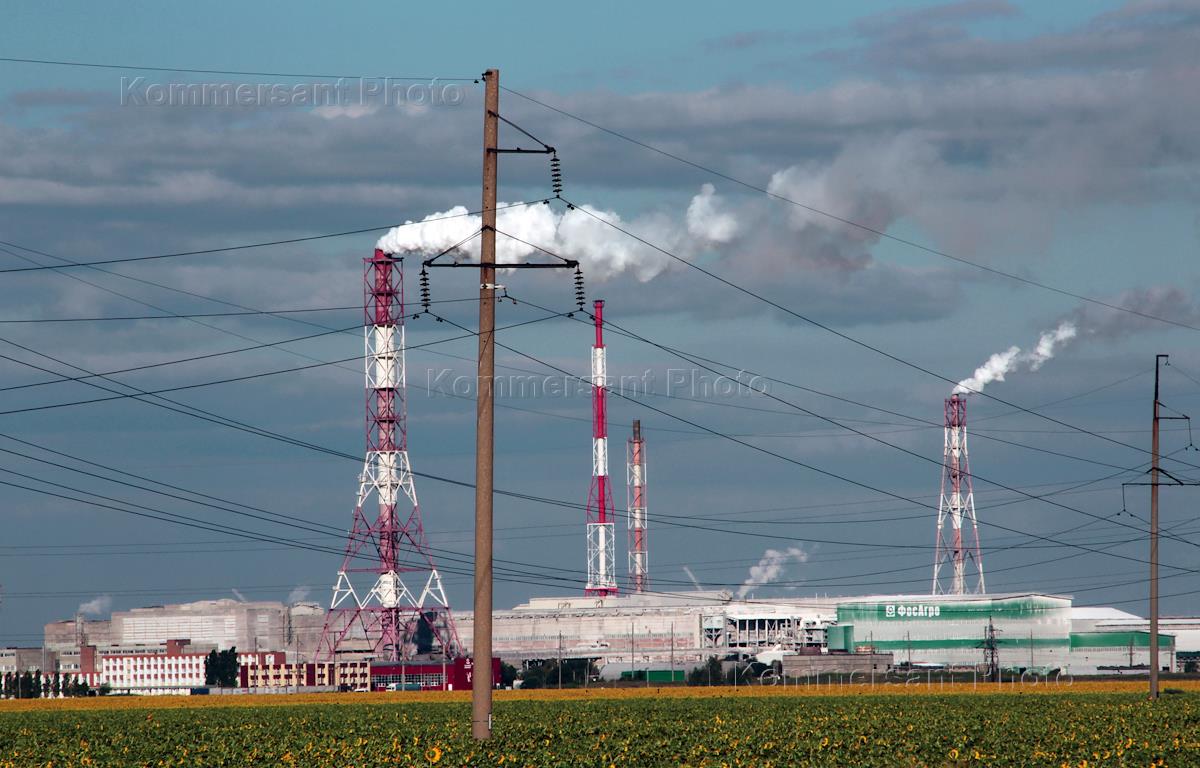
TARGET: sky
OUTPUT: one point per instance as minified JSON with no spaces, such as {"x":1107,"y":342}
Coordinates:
{"x":945,"y":183}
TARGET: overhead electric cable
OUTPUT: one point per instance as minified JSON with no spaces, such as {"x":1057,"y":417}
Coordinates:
{"x":854,"y":340}
{"x":849,"y":222}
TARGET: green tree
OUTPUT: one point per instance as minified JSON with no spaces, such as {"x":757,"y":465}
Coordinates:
{"x":508,"y":673}
{"x":538,"y":675}
{"x":26,"y":686}
{"x":221,"y":668}
{"x":56,"y":684}
{"x":709,"y":674}
{"x":229,"y":669}
{"x":211,"y":664}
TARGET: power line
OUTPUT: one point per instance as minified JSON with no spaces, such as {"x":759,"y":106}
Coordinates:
{"x":575,"y":505}
{"x":694,"y":360}
{"x":622,"y":136}
{"x":538,"y":361}
{"x":849,"y":222}
{"x":184,"y":292}
{"x":245,"y":73}
{"x":176,"y":361}
{"x":852,"y":339}
{"x":139,"y":393}
{"x":693,"y":526}
{"x":247,"y":246}
{"x":805,"y":465}
{"x":193,"y":315}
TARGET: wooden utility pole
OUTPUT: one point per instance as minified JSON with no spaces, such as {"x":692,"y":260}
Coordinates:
{"x":1155,"y":471}
{"x":481,"y":679}
{"x":1154,"y":538}
{"x":481,"y":647}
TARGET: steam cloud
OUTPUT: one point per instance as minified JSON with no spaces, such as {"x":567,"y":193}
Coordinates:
{"x":239,"y":596}
{"x":97,"y":606}
{"x":1003,"y":363}
{"x":573,"y":234}
{"x":770,"y":567}
{"x":298,"y":595}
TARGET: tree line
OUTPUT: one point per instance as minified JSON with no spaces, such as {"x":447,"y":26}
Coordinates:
{"x":32,"y":684}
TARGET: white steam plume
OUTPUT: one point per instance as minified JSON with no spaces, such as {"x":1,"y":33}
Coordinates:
{"x":770,"y":567}
{"x":692,"y":576}
{"x":239,"y":596}
{"x":1003,"y":363}
{"x":298,"y":595}
{"x":1047,"y":342}
{"x":573,"y":234}
{"x":97,"y":606}
{"x":993,"y":370}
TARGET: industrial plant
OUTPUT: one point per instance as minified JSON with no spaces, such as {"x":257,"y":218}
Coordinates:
{"x":388,"y":623}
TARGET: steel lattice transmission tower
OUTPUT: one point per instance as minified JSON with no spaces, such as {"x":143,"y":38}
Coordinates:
{"x":635,"y":483}
{"x":956,"y":510}
{"x":404,"y":611}
{"x":601,"y":541}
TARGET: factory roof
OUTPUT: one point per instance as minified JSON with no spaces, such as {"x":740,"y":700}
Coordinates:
{"x":926,"y":598}
{"x":1100,"y":613}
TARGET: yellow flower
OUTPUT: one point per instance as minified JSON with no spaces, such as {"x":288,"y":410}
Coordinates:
{"x":433,"y":754}
{"x":953,"y":754}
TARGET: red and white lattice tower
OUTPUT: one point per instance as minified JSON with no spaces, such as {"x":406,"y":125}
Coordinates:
{"x":601,"y":543}
{"x":956,"y":510}
{"x":635,"y":483}
{"x":399,"y":610}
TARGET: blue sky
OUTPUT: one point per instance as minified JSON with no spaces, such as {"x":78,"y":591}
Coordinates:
{"x":1046,"y":140}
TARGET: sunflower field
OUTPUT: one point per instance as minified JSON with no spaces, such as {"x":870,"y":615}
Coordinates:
{"x":921,"y":729}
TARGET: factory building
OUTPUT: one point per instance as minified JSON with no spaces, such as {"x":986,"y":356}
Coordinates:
{"x":19,"y":660}
{"x":637,"y":633}
{"x":681,"y":630}
{"x":428,"y":675}
{"x":220,"y":623}
{"x":1032,"y":631}
{"x":173,"y":667}
{"x":632,"y":631}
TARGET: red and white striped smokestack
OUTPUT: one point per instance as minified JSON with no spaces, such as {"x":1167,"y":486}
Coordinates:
{"x":639,"y":557}
{"x":601,"y":580}
{"x":956,"y":507}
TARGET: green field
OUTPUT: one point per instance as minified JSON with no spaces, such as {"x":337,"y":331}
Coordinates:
{"x":1076,"y":729}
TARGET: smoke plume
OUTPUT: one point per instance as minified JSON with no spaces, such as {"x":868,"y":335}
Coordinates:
{"x":1156,"y":301}
{"x":241,"y":598}
{"x":97,"y":606}
{"x":298,"y":595}
{"x":1012,"y":359}
{"x":573,"y":234}
{"x":770,"y":567}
